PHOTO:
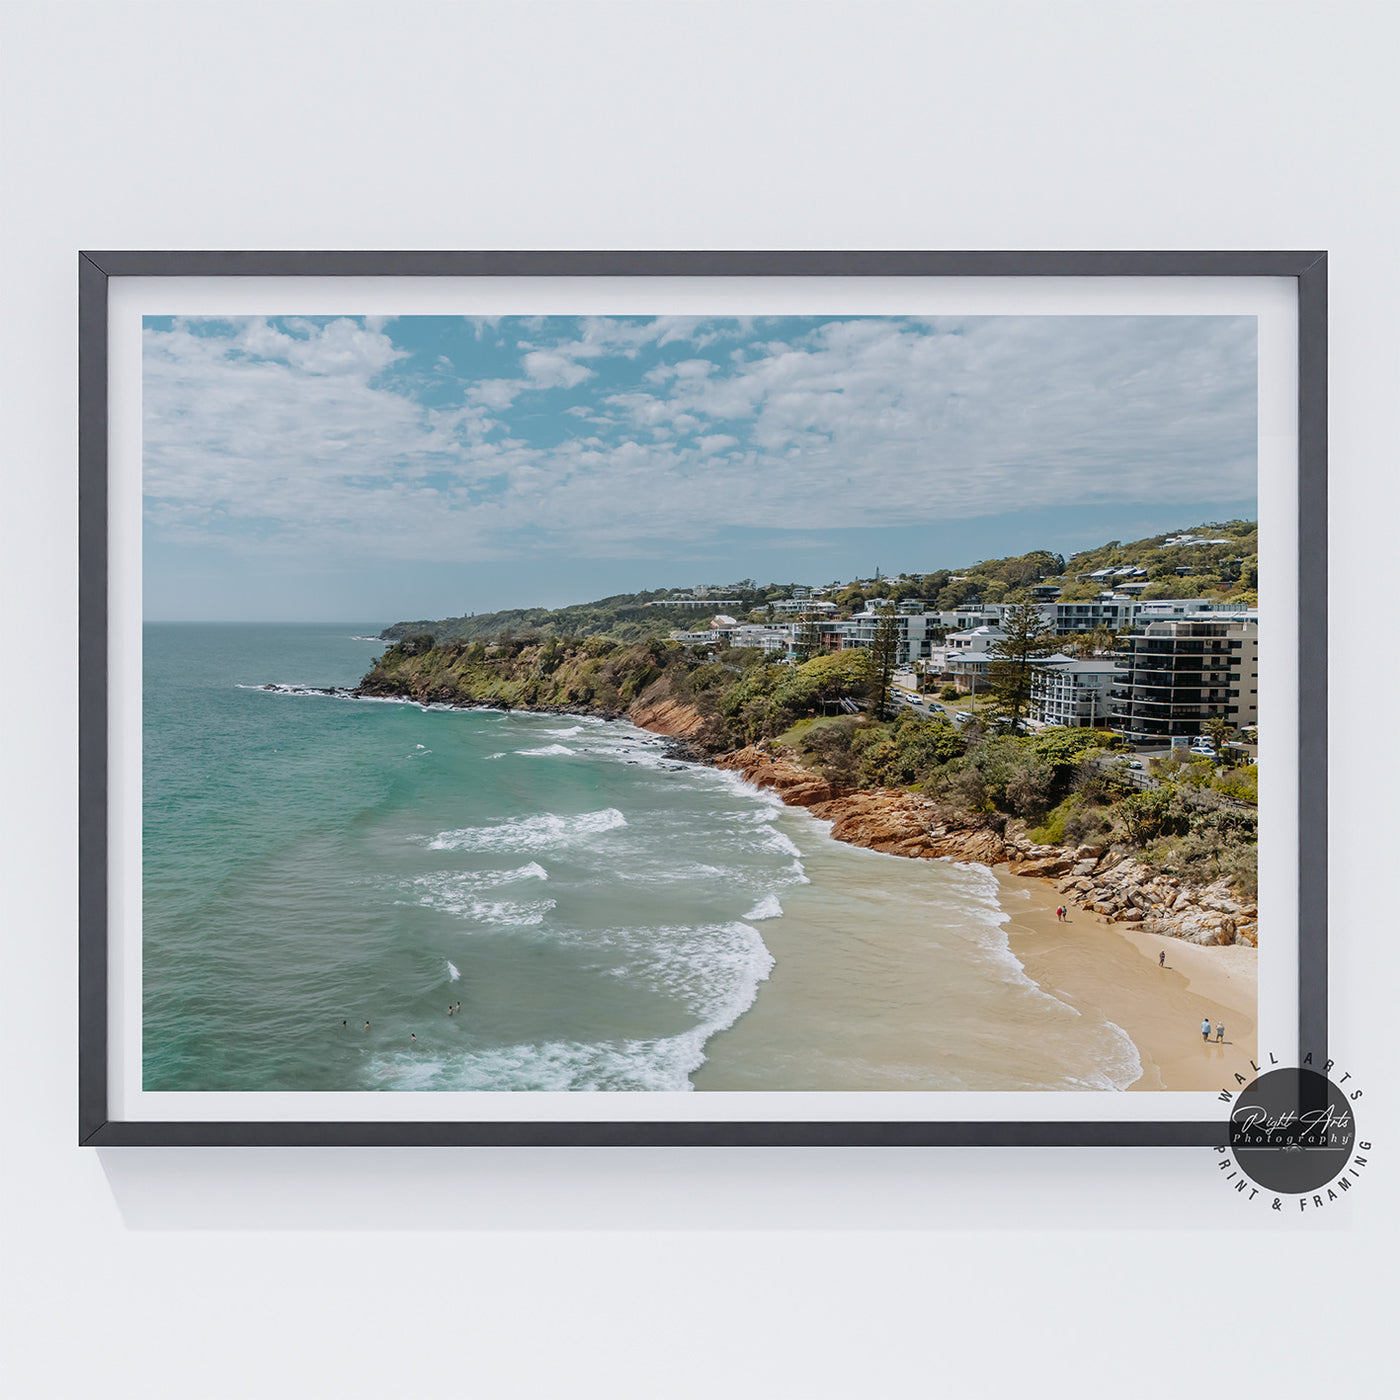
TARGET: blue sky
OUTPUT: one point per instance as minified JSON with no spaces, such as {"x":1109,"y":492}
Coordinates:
{"x":375,"y":469}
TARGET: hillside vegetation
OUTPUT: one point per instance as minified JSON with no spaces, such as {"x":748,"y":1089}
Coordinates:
{"x":1225,"y":572}
{"x":1221,"y":571}
{"x":1062,"y":781}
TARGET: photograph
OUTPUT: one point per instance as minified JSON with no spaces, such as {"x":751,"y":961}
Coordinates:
{"x":841,"y":703}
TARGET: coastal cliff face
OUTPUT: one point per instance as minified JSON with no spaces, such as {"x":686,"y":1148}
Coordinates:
{"x":892,"y":820}
{"x":1105,"y":881}
{"x":655,"y":711}
{"x":577,"y":686}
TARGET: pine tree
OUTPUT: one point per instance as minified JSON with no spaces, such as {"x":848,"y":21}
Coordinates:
{"x":807,"y":637}
{"x":1028,"y":638}
{"x":885,"y":655}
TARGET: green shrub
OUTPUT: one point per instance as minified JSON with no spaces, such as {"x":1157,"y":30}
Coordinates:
{"x":1147,"y":816}
{"x":906,"y":751}
{"x":1240,"y":783}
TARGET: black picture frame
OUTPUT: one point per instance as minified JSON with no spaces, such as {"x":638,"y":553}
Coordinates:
{"x":97,"y":1128}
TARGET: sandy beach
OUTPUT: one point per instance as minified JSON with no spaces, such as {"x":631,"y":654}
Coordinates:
{"x":1112,"y":969}
{"x":895,"y":974}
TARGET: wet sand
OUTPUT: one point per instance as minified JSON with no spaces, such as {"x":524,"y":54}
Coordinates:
{"x":894,"y":974}
{"x":1111,"y":970}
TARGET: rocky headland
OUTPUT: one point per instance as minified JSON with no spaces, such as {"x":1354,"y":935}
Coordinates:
{"x":1106,"y":881}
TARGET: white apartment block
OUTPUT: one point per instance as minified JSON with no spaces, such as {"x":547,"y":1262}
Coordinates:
{"x":789,"y":606}
{"x":1073,"y":693}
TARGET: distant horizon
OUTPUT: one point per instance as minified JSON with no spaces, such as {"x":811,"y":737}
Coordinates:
{"x":652,"y":586}
{"x":432,"y":466}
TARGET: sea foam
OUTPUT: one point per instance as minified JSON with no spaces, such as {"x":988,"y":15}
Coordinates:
{"x":768,"y":907}
{"x":713,"y":970}
{"x":539,"y":833}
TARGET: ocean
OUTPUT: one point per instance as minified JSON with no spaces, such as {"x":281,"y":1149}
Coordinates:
{"x":346,"y":894}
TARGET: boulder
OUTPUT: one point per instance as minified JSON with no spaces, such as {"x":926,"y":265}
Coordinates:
{"x":1046,"y":866}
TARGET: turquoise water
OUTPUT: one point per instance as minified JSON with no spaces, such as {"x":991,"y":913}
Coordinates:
{"x":312,"y":860}
{"x":312,"y":863}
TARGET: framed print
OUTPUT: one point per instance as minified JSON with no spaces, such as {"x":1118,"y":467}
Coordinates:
{"x":698,"y":698}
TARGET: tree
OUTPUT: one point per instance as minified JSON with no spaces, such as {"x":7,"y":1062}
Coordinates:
{"x":807,"y":637}
{"x":1219,"y":731}
{"x":884,"y":656}
{"x":1028,"y":637}
{"x":955,"y":595}
{"x":1084,"y":592}
{"x":833,"y":676}
{"x":1102,"y":641}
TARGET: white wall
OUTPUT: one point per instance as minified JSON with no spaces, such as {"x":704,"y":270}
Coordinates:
{"x":970,"y":1273}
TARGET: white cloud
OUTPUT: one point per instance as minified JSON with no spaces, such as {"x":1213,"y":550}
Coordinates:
{"x":294,"y":434}
{"x":716,"y":442}
{"x":548,"y":369}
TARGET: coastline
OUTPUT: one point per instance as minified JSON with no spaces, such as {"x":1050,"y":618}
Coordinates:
{"x":1112,"y":969}
{"x":1093,"y":961}
{"x":1096,"y":961}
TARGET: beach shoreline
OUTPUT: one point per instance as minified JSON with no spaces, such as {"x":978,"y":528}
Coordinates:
{"x":1112,"y":969}
{"x":1105,"y":968}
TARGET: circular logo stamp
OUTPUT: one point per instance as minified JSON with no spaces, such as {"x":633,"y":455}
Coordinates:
{"x":1292,"y":1131}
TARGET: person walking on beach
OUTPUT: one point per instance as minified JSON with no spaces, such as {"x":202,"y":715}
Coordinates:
{"x":1162,"y":958}
{"x":1220,"y":1032}
{"x":1205,"y":1029}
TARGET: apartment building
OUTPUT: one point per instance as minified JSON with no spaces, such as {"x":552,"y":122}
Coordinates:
{"x":794,"y":605}
{"x":1176,"y":674}
{"x":916,"y":633}
{"x":1122,"y":612}
{"x":1073,"y":693}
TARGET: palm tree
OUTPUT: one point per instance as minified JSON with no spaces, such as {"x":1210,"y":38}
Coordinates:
{"x":1219,"y":731}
